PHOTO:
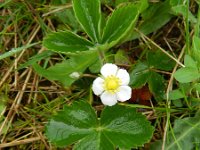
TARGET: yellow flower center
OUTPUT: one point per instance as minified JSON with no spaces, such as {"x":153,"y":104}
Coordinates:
{"x":112,"y":83}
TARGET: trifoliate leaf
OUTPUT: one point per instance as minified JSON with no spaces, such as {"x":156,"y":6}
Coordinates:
{"x":118,"y":127}
{"x":153,"y":18}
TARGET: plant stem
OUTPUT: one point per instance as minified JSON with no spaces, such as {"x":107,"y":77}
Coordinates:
{"x":187,"y":28}
{"x":101,"y":56}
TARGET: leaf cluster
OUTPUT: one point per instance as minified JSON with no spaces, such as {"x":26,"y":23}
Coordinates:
{"x":89,"y":16}
{"x":118,"y":127}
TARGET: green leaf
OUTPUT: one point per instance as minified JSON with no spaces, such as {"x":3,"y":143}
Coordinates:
{"x":119,"y":24}
{"x":95,"y":141}
{"x":78,"y":124}
{"x":185,"y":132}
{"x":176,"y":2}
{"x":139,"y":75}
{"x":141,"y":5}
{"x":63,"y":71}
{"x":96,"y":66}
{"x":143,"y":73}
{"x":189,"y":62}
{"x":159,"y":60}
{"x":71,"y":124}
{"x":118,"y":2}
{"x":178,"y":103}
{"x":88,"y":13}
{"x":182,"y":92}
{"x":182,"y":9}
{"x":176,"y":94}
{"x":65,"y":42}
{"x":125,"y":128}
{"x":57,"y":73}
{"x":157,"y":85}
{"x":186,"y":74}
{"x":153,"y":18}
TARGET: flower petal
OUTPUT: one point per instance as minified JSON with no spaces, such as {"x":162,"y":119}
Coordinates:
{"x":109,"y":69}
{"x":97,"y":86}
{"x":108,"y":98}
{"x":124,"y":76}
{"x":124,"y":93}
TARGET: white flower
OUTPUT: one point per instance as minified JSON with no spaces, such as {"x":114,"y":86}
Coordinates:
{"x":113,"y":85}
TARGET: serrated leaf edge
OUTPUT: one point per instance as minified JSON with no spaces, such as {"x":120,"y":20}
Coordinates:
{"x":97,"y":35}
{"x":111,"y":44}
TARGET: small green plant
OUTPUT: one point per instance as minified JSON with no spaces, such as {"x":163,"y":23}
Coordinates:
{"x":118,"y":126}
{"x":132,"y":56}
{"x":85,"y":51}
{"x":184,"y":133}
